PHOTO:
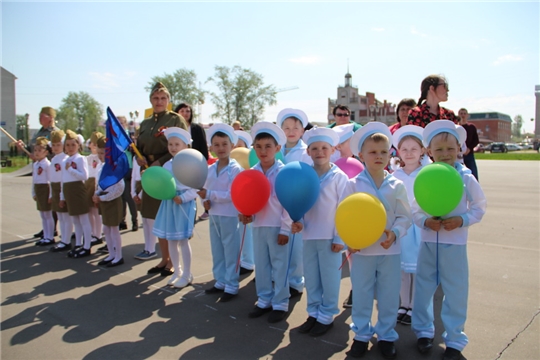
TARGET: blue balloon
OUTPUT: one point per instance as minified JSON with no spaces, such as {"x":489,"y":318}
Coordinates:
{"x":297,"y":188}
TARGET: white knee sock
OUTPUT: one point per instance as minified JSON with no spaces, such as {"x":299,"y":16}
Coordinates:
{"x":186,"y":258}
{"x":109,"y":241}
{"x":150,"y":239}
{"x":174,"y":255}
{"x":78,"y":230}
{"x":95,"y":222}
{"x":405,"y":292}
{"x":47,"y":222}
{"x":115,"y":233}
{"x":66,"y":227}
{"x":87,"y":230}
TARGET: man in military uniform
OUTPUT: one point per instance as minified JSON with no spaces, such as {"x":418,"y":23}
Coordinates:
{"x":46,"y":119}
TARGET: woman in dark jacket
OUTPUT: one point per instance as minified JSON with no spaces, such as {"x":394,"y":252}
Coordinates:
{"x":198,"y":134}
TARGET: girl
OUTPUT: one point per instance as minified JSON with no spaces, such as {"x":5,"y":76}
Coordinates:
{"x":408,"y":140}
{"x":55,"y":176}
{"x":110,"y":204}
{"x":73,"y":194}
{"x":150,"y":239}
{"x":94,"y":166}
{"x":175,"y":218}
{"x":41,"y":189}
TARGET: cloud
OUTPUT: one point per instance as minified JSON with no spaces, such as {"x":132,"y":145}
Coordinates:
{"x":507,"y":58}
{"x":417,"y":33}
{"x":377,"y":29}
{"x":306,"y":60}
{"x":104,"y":80}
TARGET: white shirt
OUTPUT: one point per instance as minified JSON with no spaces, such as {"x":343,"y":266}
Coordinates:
{"x":218,"y":188}
{"x":110,"y":193}
{"x":273,"y":214}
{"x":471,"y":208}
{"x":56,"y":167}
{"x":398,"y":211}
{"x":185,"y":192}
{"x":94,"y":165}
{"x":297,"y":153}
{"x":40,"y":174}
{"x":135,"y":176}
{"x":408,"y":181}
{"x":76,"y":172}
{"x":319,"y":221}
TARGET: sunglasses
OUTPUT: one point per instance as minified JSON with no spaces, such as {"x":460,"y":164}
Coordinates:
{"x":342,"y":115}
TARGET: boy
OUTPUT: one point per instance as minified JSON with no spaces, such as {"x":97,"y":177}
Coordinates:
{"x":377,"y":267}
{"x":443,"y":250}
{"x":322,"y":246}
{"x":271,"y":227}
{"x":224,"y":229}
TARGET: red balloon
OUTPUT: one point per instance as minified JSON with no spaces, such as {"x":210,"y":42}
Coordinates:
{"x":250,"y":191}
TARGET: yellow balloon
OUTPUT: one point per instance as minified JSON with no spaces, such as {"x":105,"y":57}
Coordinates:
{"x":242,"y":156}
{"x":360,"y":220}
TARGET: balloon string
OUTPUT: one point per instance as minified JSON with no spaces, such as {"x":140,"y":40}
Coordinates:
{"x":437,"y":258}
{"x":215,"y":226}
{"x":241,"y":247}
{"x":289,"y":264}
{"x":346,"y":259}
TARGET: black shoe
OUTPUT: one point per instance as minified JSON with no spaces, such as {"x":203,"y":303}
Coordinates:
{"x":156,"y":270}
{"x":122,"y":226}
{"x":75,"y":250}
{"x":61,"y":247}
{"x":387,"y":349}
{"x":358,"y":349}
{"x":320,"y":329}
{"x":44,"y":242}
{"x":307,"y":326}
{"x":95,"y":241}
{"x":213,"y":290}
{"x":258,"y":312}
{"x":451,"y":354}
{"x":294,"y":293}
{"x":348,"y":301}
{"x":424,"y":345}
{"x":226,"y":297}
{"x":103,"y":249}
{"x":401,"y":312}
{"x":166,"y":272}
{"x":113,"y":264}
{"x":244,"y":271}
{"x":39,"y":234}
{"x":105,"y":262}
{"x":406,"y":319}
{"x":82,"y":253}
{"x":135,"y":226}
{"x":276,"y":316}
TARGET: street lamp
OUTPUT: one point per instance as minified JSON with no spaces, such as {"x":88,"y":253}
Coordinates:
{"x":374,"y":109}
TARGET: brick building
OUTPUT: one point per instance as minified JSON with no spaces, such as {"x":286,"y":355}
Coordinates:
{"x":492,"y":126}
{"x":364,"y":108}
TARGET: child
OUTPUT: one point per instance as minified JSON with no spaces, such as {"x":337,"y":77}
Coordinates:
{"x":443,"y":251}
{"x":94,"y":166}
{"x":247,"y":263}
{"x":293,"y":122}
{"x":408,"y":141}
{"x":73,"y":194}
{"x":150,"y":239}
{"x":322,"y":246}
{"x":41,"y":192}
{"x":55,"y":176}
{"x":271,"y":227}
{"x":343,"y":150}
{"x":109,"y":201}
{"x":175,"y":218}
{"x":377,"y":267}
{"x":224,"y":228}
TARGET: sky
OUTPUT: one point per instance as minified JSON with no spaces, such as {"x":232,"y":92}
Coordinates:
{"x":488,"y":51}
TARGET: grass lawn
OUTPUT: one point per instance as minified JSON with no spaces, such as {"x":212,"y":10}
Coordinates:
{"x":514,"y":155}
{"x":17,"y":162}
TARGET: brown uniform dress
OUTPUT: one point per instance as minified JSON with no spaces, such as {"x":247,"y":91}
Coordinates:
{"x":153,"y":146}
{"x":75,"y":195}
{"x":42,"y":197}
{"x":55,"y":205}
{"x":90,"y":184}
{"x":112,"y":211}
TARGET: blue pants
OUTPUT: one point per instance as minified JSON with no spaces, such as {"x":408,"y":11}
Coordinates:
{"x":225,"y":243}
{"x":247,"y":261}
{"x":323,"y":278}
{"x":470,"y":162}
{"x":380,"y":274}
{"x":296,"y":270}
{"x":271,"y":263}
{"x":454,"y":279}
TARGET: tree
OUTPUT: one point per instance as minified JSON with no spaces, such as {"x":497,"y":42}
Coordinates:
{"x":243,"y":95}
{"x":516,"y":126}
{"x":79,"y":112}
{"x":182,"y":86}
{"x":22,"y":128}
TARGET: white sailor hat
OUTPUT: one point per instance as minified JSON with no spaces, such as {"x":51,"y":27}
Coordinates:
{"x":369,"y":129}
{"x":321,"y":134}
{"x":408,"y":130}
{"x":437,"y":127}
{"x":179,"y":133}
{"x":244,"y":136}
{"x":295,"y":113}
{"x":271,"y":129}
{"x":222,"y":128}
{"x":345,"y":132}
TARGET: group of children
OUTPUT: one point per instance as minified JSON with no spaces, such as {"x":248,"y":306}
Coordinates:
{"x":413,"y":242}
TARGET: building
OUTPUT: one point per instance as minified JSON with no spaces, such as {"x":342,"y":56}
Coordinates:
{"x":364,"y":108}
{"x":492,"y":126}
{"x":537,"y":112}
{"x":8,"y":119}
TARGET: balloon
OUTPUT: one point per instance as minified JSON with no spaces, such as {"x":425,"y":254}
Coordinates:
{"x":438,"y":189}
{"x":350,"y":166}
{"x":241,"y":155}
{"x":360,"y":220}
{"x":297,"y":188}
{"x":158,"y":183}
{"x":190,"y":168}
{"x":250,"y":191}
{"x":253,"y":159}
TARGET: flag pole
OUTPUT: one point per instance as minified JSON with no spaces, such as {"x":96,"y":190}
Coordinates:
{"x":138,"y":153}
{"x":15,"y":140}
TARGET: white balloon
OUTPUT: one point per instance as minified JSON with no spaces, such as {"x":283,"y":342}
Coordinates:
{"x":190,"y":168}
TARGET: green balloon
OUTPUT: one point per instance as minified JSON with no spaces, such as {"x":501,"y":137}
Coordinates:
{"x":253,"y":159}
{"x":438,"y":189}
{"x":158,"y":183}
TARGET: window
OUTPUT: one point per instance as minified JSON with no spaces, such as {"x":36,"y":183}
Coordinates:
{"x":352,"y":115}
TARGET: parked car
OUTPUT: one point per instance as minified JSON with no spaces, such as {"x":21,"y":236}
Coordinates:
{"x":487,"y":147}
{"x":479,"y":148}
{"x":498,"y":147}
{"x":526,"y":146}
{"x":513,"y":147}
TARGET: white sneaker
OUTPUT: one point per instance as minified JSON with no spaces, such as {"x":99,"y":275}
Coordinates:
{"x":175,"y":277}
{"x":183,"y":282}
